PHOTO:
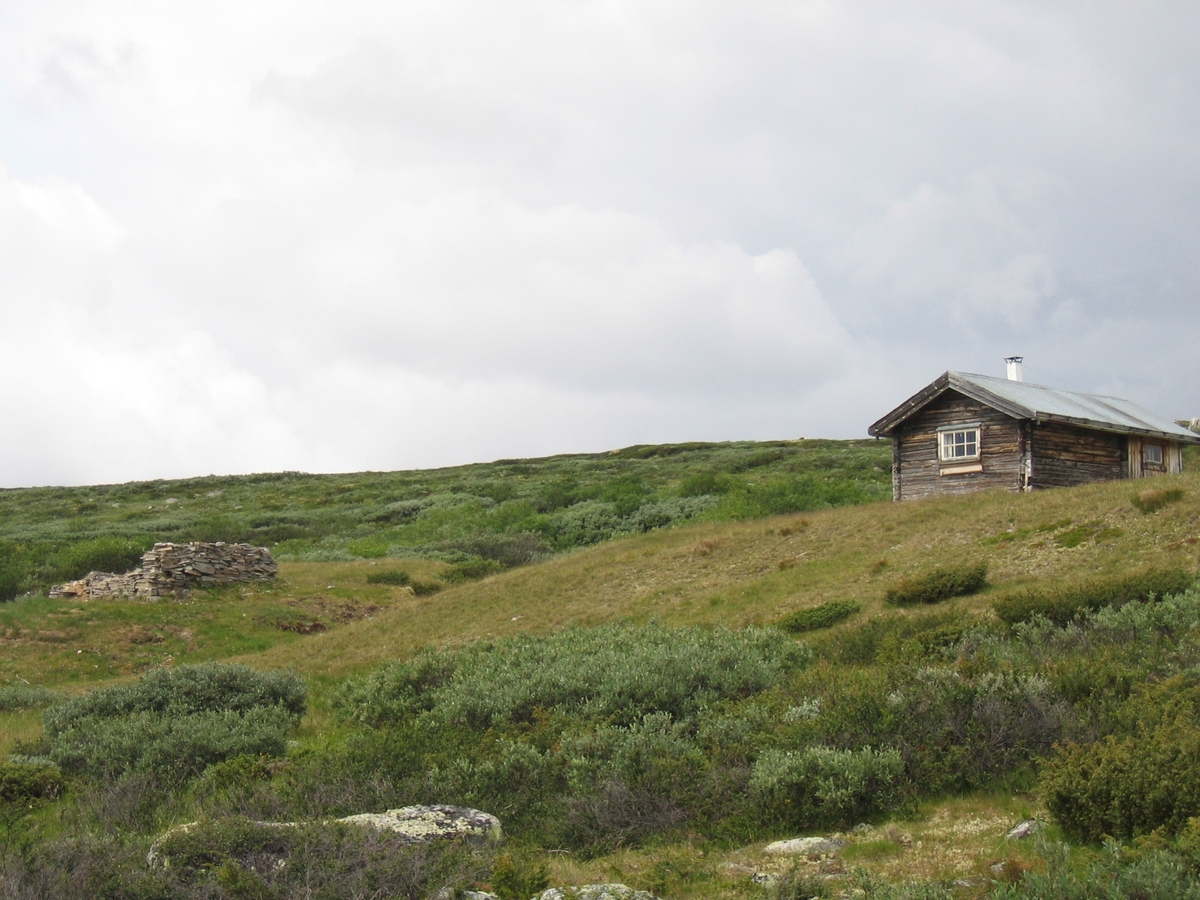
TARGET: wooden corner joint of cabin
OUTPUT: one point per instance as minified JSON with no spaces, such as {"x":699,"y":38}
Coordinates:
{"x":959,"y":448}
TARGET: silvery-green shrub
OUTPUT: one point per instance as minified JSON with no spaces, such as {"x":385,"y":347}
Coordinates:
{"x":824,"y":786}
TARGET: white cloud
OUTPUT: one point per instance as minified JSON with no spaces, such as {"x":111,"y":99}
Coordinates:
{"x":260,"y":235}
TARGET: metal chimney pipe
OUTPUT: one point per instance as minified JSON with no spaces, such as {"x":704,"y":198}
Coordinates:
{"x":1014,"y":367}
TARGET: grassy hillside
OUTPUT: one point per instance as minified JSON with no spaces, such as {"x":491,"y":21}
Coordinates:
{"x":510,"y":512}
{"x":616,"y":705}
{"x":753,"y":572}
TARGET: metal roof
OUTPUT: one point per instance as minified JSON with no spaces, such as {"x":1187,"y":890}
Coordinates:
{"x":1022,"y":400}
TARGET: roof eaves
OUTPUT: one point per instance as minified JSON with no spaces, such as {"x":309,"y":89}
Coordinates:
{"x":883,"y":427}
{"x":1117,"y":429}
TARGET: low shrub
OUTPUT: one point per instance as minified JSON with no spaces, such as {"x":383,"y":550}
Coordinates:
{"x":398,"y":577}
{"x":1154,"y":499}
{"x":16,"y":563}
{"x":1114,"y":874}
{"x":518,"y":878}
{"x":937,"y":585}
{"x":615,"y":672}
{"x":509,"y":549}
{"x":15,"y":697}
{"x":816,"y":617}
{"x":106,"y":554}
{"x":797,"y":883}
{"x":236,"y":857}
{"x":174,"y":723}
{"x":172,"y":747}
{"x":472,"y":570}
{"x":961,"y":733}
{"x":1062,"y":605}
{"x":22,"y":782}
{"x":656,"y":756}
{"x":825,"y":787}
{"x":211,"y":687}
{"x":1144,"y":778}
{"x":892,"y":638}
{"x":704,"y":484}
{"x":12,"y":580}
{"x":425,"y":588}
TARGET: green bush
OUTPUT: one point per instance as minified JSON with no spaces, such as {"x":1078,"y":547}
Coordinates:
{"x":106,"y":554}
{"x":937,"y":585}
{"x":517,"y":878}
{"x":11,"y":581}
{"x":798,"y":884}
{"x":655,"y":756}
{"x":816,"y":617}
{"x":824,"y":787}
{"x":22,"y":782}
{"x":1158,"y":874}
{"x":961,"y":733}
{"x":174,"y":747}
{"x":238,"y":858}
{"x":174,"y":723}
{"x":210,"y":687}
{"x":15,"y":564}
{"x":705,"y":484}
{"x":14,"y":697}
{"x":614,"y":672}
{"x":425,"y":588}
{"x":1131,"y":784}
{"x":397,"y":577}
{"x":511,"y":549}
{"x":472,"y":569}
{"x":1064,"y":604}
{"x":894,"y":637}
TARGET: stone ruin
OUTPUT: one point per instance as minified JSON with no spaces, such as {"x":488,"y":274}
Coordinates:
{"x":174,"y":568}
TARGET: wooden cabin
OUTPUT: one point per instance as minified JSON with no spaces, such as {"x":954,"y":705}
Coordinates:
{"x":966,"y":433}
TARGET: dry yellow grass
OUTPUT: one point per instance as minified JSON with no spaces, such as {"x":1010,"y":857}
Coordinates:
{"x":752,"y":572}
{"x":959,"y":839}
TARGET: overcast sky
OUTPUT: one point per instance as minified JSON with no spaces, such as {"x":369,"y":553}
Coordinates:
{"x":254,"y":236}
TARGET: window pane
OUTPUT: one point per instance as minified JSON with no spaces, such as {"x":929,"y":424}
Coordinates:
{"x":960,"y":444}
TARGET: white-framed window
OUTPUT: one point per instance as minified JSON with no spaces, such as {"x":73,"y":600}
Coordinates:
{"x":1152,"y":454}
{"x":958,"y":443}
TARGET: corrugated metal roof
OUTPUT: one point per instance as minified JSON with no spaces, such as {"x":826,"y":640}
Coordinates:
{"x":1023,"y":400}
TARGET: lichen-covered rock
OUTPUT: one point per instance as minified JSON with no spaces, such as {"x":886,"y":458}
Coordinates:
{"x":431,"y":823}
{"x":614,"y":891}
{"x":413,"y":825}
{"x":1028,"y":828}
{"x":805,"y":846}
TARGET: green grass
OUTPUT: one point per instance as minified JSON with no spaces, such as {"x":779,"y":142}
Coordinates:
{"x":336,"y":619}
{"x":510,"y":511}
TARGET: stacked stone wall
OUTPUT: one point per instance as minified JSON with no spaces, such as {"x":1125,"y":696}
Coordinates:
{"x":173,"y":568}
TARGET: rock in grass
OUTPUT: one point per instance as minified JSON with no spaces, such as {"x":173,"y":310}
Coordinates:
{"x":805,"y":846}
{"x":1028,"y":828}
{"x":614,"y":891}
{"x":414,"y":824}
{"x":431,"y":823}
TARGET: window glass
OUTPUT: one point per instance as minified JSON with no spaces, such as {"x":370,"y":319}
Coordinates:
{"x":1152,"y":453}
{"x":963,"y":444}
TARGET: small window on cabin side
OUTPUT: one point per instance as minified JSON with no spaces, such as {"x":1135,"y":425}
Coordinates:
{"x":1152,"y":455}
{"x":959,"y":444}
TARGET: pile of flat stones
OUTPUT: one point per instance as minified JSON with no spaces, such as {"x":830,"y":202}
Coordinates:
{"x":173,"y":568}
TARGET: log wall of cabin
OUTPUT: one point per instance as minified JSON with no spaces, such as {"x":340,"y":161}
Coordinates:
{"x":917,"y":472}
{"x":1064,"y":455}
